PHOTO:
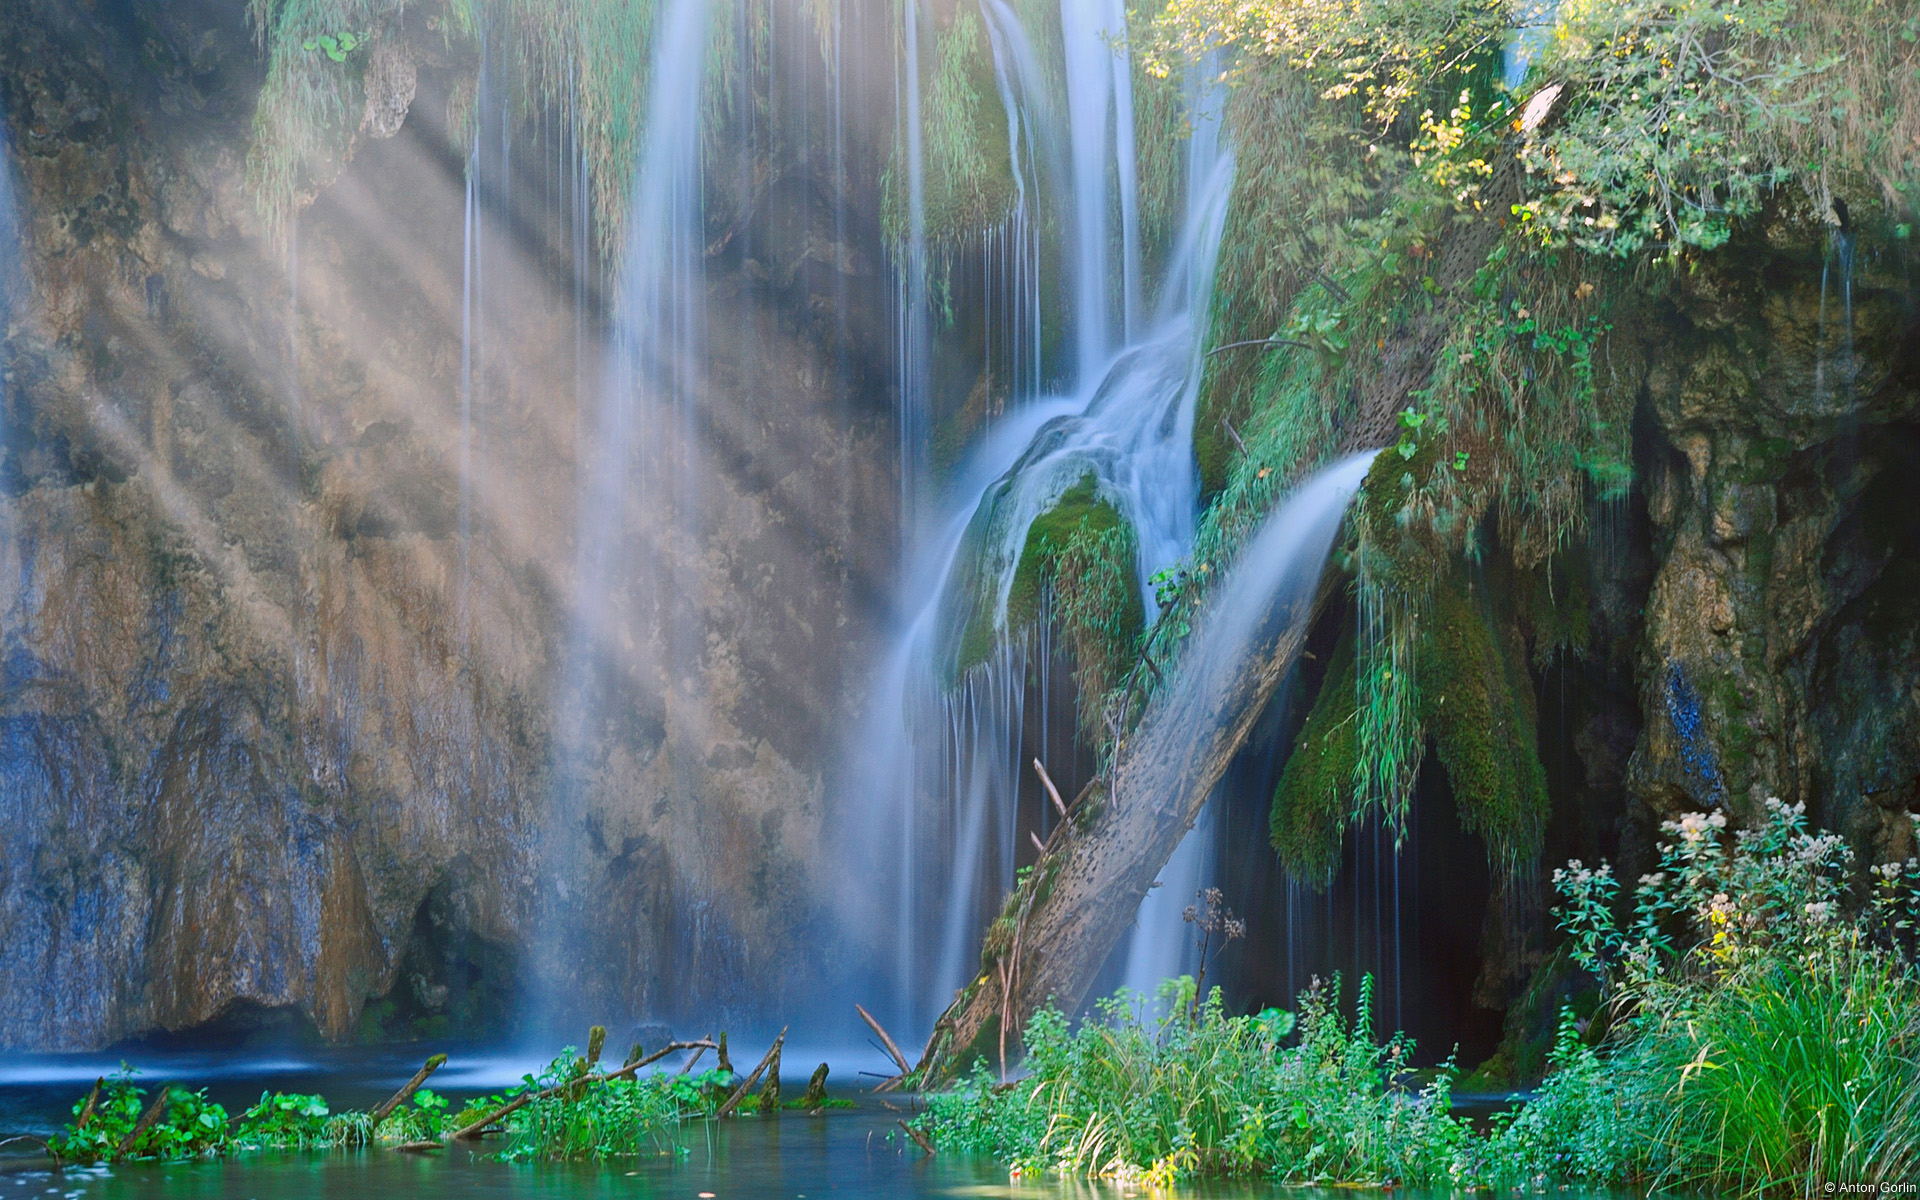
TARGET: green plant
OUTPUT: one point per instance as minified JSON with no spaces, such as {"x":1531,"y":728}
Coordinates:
{"x":420,"y":1119}
{"x":335,"y":46}
{"x":115,"y":1109}
{"x":283,"y":1119}
{"x":1190,"y":1091}
{"x":1770,"y":1025}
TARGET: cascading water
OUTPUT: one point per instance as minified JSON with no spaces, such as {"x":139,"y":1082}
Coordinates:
{"x":1099,"y":78}
{"x":13,"y":296}
{"x":640,"y":471}
{"x":938,"y":766}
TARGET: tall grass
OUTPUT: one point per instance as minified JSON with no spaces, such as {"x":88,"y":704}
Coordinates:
{"x":1139,"y":1095}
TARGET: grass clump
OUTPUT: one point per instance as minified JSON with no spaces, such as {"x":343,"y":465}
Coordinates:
{"x":1197,"y":1092}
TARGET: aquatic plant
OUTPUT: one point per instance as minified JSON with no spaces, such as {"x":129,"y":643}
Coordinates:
{"x":283,"y":1119}
{"x":117,"y":1120}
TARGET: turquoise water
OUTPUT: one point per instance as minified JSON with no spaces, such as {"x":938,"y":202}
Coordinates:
{"x":848,"y":1154}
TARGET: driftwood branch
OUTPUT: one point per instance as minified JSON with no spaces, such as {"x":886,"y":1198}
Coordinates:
{"x":771,"y":1056}
{"x":1053,"y":793}
{"x":407,"y":1089}
{"x":899,"y":1058}
{"x":919,"y":1139}
{"x":703,"y":1044}
{"x":93,"y":1102}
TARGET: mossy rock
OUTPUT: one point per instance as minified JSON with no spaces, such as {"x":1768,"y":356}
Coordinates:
{"x":1476,"y":702}
{"x":1080,"y":513}
{"x":1314,"y":799}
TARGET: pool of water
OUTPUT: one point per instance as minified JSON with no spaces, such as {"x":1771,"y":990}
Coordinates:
{"x":846,"y":1153}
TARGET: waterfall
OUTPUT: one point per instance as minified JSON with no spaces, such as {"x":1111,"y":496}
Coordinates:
{"x":13,"y":297}
{"x":641,"y":462}
{"x":1032,"y":149}
{"x":911,"y":318}
{"x":935,"y":774}
{"x":1099,"y":76}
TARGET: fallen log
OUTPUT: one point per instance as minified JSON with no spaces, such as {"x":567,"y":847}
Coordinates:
{"x":406,"y":1091}
{"x":1082,"y":894}
{"x":892,"y":1050}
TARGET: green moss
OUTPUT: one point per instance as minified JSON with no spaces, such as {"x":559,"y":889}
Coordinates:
{"x":966,"y":181}
{"x":1314,"y":799}
{"x":1085,"y":533}
{"x":1477,"y":703}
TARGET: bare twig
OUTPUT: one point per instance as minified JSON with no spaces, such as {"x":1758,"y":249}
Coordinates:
{"x":1235,"y":435}
{"x":899,"y":1058}
{"x":1266,"y":341}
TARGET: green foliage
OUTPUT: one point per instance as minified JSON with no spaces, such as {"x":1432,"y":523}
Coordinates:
{"x":310,"y":103}
{"x":335,"y":46}
{"x":967,"y":182}
{"x":190,"y":1125}
{"x":1771,"y":1036}
{"x":1154,"y":1098}
{"x":1687,"y":117}
{"x":1096,"y":600}
{"x":283,"y":1119}
{"x":613,"y":1118}
{"x":421,"y":1119}
{"x":1082,"y":554}
{"x":118,"y":1106}
{"x":1585,"y":1124}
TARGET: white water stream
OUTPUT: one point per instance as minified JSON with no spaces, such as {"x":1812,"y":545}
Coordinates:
{"x":937,"y":767}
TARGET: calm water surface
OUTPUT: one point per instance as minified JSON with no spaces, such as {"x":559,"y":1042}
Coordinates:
{"x":846,"y":1154}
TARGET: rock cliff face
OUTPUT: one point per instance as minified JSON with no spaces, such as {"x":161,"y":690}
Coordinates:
{"x":277,"y":694}
{"x":1780,"y":637}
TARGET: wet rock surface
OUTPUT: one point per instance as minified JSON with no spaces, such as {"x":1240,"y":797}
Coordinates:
{"x":278,"y":711}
